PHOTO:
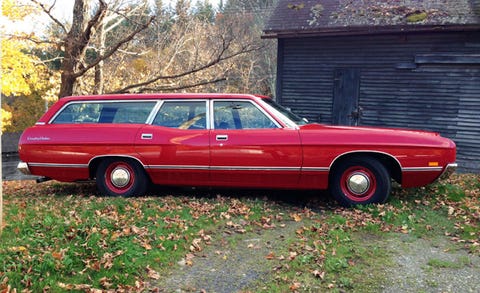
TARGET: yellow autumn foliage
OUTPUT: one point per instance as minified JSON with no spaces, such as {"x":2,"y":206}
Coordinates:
{"x":19,"y":74}
{"x":22,"y":72}
{"x":16,"y":10}
{"x":6,"y":119}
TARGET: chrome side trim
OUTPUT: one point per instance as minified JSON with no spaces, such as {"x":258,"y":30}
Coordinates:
{"x":366,"y":151}
{"x":221,"y":168}
{"x":316,"y":169}
{"x":51,"y":165}
{"x":187,"y":167}
{"x":177,"y":167}
{"x":116,"y":155}
{"x":254,"y":168}
{"x":24,"y":167}
{"x":422,"y":169}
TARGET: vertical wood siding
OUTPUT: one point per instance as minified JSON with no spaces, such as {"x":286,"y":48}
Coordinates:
{"x":394,"y":90}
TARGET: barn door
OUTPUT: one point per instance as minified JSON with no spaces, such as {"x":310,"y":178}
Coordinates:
{"x":346,"y":110}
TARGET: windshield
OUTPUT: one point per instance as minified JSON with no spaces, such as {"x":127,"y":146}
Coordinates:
{"x":285,"y":113}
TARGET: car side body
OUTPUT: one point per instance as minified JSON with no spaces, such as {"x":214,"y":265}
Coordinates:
{"x":223,"y":140}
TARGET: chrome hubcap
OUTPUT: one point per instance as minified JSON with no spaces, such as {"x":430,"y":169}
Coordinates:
{"x":358,"y":183}
{"x":120,"y":177}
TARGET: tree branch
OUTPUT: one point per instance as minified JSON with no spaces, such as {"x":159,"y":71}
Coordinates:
{"x":48,"y":60}
{"x":95,"y":22}
{"x":48,"y":11}
{"x":114,"y":49}
{"x":178,"y":88}
{"x":213,"y":62}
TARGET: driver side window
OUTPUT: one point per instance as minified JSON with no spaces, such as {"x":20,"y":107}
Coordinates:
{"x":240,"y":115}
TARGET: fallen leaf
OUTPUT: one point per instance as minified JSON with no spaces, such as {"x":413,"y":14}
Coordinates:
{"x":57,"y":255}
{"x":152,"y":274}
{"x":296,"y":217}
{"x":295,"y":286}
{"x":318,"y":274}
{"x":270,"y":256}
{"x":105,"y":282}
{"x":451,"y":210}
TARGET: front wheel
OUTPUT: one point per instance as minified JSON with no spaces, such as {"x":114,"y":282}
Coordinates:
{"x":121,"y":177}
{"x":360,"y":181}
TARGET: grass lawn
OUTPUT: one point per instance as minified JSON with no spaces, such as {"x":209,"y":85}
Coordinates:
{"x":62,"y":237}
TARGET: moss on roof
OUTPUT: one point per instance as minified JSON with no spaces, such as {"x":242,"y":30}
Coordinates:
{"x":311,"y":15}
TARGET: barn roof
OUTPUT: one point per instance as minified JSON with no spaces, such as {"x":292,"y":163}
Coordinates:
{"x":293,"y":18}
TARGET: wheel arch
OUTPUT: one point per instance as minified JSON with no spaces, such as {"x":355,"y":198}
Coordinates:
{"x":95,"y":162}
{"x":387,"y":160}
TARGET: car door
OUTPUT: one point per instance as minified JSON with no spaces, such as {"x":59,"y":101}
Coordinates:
{"x":175,"y":146}
{"x":248,"y":148}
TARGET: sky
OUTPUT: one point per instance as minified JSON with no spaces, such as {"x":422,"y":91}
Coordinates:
{"x":63,"y":12}
{"x":64,"y":8}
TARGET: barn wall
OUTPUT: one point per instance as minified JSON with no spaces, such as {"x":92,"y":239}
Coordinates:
{"x":422,"y":81}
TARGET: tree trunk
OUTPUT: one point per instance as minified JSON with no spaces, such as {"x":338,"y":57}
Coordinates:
{"x":76,"y":43}
{"x":67,"y":86}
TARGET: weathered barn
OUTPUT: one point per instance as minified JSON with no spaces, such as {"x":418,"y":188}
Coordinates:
{"x":393,"y":63}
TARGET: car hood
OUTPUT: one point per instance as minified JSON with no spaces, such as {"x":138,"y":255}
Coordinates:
{"x":357,"y":135}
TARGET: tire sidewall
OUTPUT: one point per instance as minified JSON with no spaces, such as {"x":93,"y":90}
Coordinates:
{"x":374,"y":168}
{"x":137,"y":187}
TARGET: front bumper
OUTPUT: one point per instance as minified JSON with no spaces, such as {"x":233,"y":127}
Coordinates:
{"x":23,"y":167}
{"x":449,"y":170}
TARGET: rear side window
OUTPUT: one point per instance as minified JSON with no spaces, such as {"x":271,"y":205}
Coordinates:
{"x":182,"y":115}
{"x":111,"y":112}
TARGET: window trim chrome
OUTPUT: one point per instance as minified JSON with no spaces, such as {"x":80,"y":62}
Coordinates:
{"x":163,"y":101}
{"x":97,"y":102}
{"x":253,"y":102}
{"x":154,"y":112}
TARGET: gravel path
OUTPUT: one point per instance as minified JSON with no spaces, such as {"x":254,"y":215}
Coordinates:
{"x":239,"y":261}
{"x":431,"y":266}
{"x":236,"y":262}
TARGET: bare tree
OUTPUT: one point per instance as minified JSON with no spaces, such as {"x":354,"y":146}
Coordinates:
{"x":254,"y":72}
{"x":196,"y":55}
{"x":112,"y":47}
{"x":80,"y":36}
{"x":118,"y":15}
{"x":189,"y":52}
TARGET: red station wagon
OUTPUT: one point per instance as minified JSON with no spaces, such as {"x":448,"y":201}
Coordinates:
{"x":125,"y":142}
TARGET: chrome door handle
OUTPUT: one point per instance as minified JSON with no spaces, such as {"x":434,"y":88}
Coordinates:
{"x":222,"y":137}
{"x":147,"y":136}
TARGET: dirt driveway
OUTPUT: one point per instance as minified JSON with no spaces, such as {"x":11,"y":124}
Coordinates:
{"x":239,"y":263}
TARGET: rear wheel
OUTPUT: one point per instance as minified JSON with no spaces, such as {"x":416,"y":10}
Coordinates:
{"x":121,"y":177}
{"x":360,"y":181}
